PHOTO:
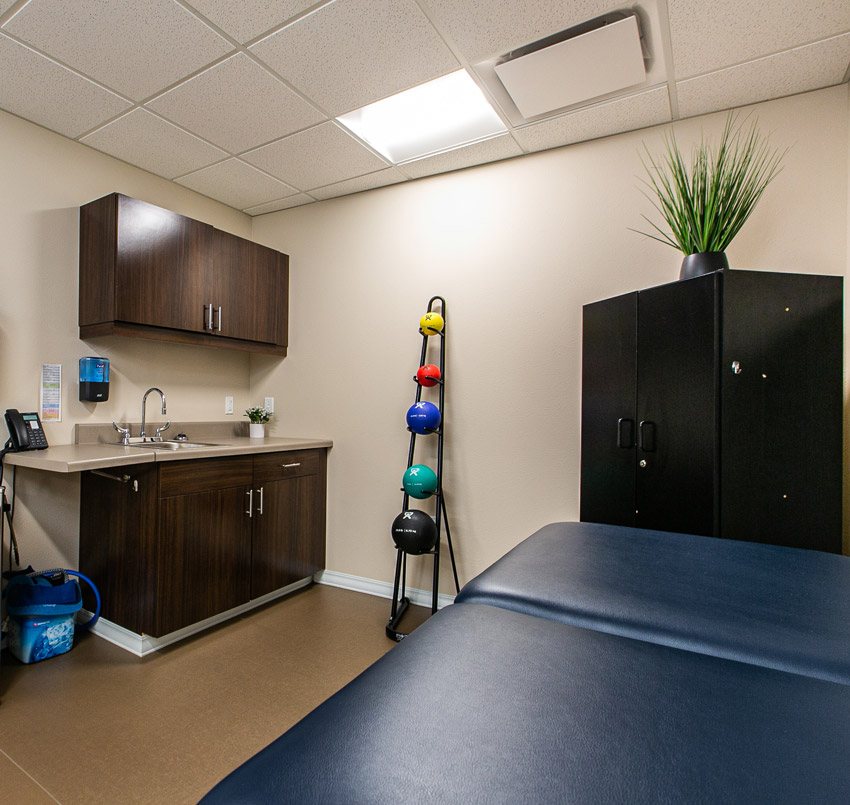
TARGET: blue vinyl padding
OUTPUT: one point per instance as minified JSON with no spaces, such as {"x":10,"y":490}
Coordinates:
{"x":485,"y":705}
{"x":782,"y":608}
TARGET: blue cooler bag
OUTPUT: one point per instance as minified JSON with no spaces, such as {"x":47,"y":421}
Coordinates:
{"x":41,"y":609}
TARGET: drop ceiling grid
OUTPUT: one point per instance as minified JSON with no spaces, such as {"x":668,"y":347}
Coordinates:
{"x":139,"y":136}
{"x":791,"y":72}
{"x":110,"y":41}
{"x":242,"y":185}
{"x":292,"y":159}
{"x":236,"y":105}
{"x":247,"y":21}
{"x":351,"y":53}
{"x":52,"y":95}
{"x":195,"y":90}
{"x":707,"y":36}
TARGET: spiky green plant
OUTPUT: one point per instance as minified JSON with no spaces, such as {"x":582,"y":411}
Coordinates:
{"x":706,"y":206}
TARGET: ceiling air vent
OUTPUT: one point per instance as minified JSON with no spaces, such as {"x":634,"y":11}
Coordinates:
{"x":593,"y":63}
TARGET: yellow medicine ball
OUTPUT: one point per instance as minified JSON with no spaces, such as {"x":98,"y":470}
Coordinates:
{"x":431,"y":324}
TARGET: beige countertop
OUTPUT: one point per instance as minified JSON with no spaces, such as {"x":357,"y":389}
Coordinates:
{"x":98,"y":448}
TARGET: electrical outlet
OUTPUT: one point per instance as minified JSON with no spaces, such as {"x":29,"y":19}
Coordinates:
{"x":228,"y":405}
{"x":268,"y":404}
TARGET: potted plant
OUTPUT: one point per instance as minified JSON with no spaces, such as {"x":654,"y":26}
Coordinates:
{"x":706,"y":205}
{"x":258,"y":418}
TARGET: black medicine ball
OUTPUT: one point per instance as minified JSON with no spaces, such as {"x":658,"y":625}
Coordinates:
{"x":414,"y":532}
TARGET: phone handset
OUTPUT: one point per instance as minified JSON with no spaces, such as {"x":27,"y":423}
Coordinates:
{"x":25,"y":430}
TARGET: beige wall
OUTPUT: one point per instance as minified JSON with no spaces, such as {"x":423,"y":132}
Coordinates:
{"x":45,"y":178}
{"x":516,"y":248}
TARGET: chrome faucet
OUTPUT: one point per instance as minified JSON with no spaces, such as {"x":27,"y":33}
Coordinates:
{"x":144,"y":402}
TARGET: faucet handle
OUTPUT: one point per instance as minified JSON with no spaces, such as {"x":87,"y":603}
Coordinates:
{"x":125,"y":433}
{"x":158,"y":434}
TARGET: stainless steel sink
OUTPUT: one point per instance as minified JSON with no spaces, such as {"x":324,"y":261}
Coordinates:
{"x":175,"y":444}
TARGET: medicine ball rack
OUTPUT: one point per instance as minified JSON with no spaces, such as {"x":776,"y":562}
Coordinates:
{"x":400,"y":604}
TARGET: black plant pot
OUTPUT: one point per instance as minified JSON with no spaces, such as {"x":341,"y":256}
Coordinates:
{"x":694,"y":265}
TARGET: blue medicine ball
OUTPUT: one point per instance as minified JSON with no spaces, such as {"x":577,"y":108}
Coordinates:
{"x":423,"y":417}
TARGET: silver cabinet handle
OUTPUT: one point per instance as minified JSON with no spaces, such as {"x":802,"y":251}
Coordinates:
{"x":290,"y":466}
{"x":260,"y":509}
{"x":219,"y":318}
{"x":209,"y":310}
{"x":249,"y":511}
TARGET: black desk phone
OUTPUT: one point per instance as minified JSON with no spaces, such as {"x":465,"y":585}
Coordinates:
{"x":25,"y":430}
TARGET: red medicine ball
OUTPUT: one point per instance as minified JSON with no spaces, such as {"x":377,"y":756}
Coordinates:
{"x":428,"y":375}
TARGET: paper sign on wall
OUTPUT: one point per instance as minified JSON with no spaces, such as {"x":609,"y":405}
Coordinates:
{"x":51,"y":392}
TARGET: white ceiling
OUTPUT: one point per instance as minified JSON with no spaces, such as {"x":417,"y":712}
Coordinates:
{"x":236,"y":99}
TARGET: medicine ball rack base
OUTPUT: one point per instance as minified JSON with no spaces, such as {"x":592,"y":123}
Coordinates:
{"x":400,"y":600}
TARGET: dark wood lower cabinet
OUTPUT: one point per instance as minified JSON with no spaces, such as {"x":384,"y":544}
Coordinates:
{"x":179,"y":542}
{"x":204,"y":561}
{"x":118,"y":542}
{"x":289,"y":519}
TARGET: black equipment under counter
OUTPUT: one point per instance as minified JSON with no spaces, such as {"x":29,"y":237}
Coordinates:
{"x":713,"y":406}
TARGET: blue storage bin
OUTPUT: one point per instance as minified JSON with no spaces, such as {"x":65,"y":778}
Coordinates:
{"x":41,"y":609}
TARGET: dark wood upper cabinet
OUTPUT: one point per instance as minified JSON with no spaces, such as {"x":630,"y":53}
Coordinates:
{"x":148,"y":272}
{"x":246,"y":289}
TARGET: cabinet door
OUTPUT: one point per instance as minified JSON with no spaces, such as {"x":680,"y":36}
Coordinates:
{"x":118,"y":542}
{"x":247,"y":285}
{"x":289,"y":532}
{"x":204,"y":556}
{"x":782,"y":407}
{"x":677,"y":407}
{"x":608,"y":427}
{"x":159,"y":271}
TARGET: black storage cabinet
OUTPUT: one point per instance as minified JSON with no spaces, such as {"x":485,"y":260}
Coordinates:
{"x":713,"y":406}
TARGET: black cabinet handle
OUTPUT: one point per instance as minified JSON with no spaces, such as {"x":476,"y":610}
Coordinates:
{"x":625,"y":433}
{"x":646,"y":436}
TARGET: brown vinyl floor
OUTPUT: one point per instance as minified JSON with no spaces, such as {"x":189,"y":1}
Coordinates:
{"x":100,"y":725}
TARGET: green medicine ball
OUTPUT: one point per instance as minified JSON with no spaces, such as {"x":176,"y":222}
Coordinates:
{"x":419,"y":481}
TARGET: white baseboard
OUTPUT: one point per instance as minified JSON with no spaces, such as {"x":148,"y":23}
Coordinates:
{"x":142,"y":644}
{"x":382,"y":589}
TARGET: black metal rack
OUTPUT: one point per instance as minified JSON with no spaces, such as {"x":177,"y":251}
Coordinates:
{"x":400,"y":599}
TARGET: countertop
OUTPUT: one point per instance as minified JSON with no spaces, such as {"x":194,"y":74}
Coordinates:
{"x":97,"y":448}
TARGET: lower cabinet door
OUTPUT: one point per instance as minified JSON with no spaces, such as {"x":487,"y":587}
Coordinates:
{"x":289,"y":533}
{"x":204,"y":556}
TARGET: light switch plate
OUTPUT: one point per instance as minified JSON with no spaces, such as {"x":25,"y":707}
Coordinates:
{"x":268,"y":404}
{"x":228,"y":405}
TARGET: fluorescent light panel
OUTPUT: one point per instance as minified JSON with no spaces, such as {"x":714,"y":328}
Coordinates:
{"x":441,"y":115}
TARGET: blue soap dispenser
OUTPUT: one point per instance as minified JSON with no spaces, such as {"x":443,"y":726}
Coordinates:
{"x":94,"y":379}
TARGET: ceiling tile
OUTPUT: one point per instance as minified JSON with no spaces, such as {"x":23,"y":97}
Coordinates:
{"x":51,"y":95}
{"x":638,"y":111}
{"x":148,"y":141}
{"x":247,"y":19}
{"x":501,"y":147}
{"x":236,"y":105}
{"x":133,"y":48}
{"x":380,"y":178}
{"x":482,"y":30}
{"x":709,"y":35}
{"x":798,"y":70}
{"x":351,"y":53}
{"x":282,"y":204}
{"x":316,"y":157}
{"x":237,"y":184}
